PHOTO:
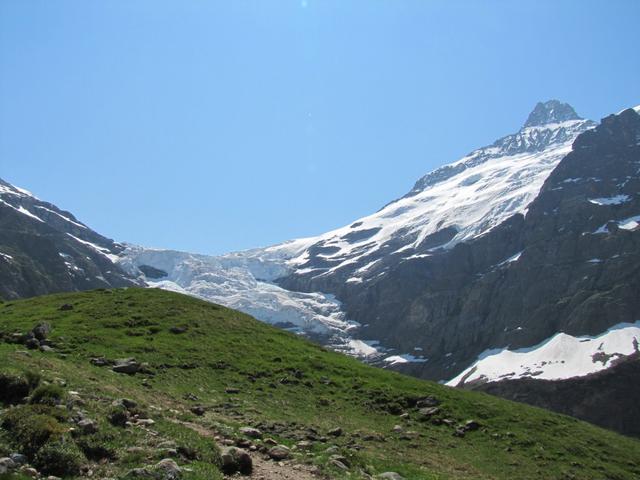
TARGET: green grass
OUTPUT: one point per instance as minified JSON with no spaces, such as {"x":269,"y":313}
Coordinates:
{"x":293,"y":384}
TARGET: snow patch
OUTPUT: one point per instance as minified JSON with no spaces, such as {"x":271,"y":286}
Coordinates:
{"x":511,"y":259}
{"x":360,"y":348}
{"x":561,"y":356}
{"x":101,"y":250}
{"x":629,"y":223}
{"x":615,"y":200}
{"x":405,"y":358}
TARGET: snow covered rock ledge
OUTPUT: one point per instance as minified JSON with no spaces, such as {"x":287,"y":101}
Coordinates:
{"x":560,"y":357}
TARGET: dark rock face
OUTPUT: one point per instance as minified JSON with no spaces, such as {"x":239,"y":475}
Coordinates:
{"x":565,"y":266}
{"x":45,"y":250}
{"x":152,"y":272}
{"x":608,"y":398}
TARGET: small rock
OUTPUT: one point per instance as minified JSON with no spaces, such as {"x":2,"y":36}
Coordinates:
{"x":270,"y":441}
{"x":397,"y":428}
{"x":7,"y":465}
{"x":304,"y":445}
{"x":279,"y":452}
{"x":167,"y":444}
{"x":251,"y":432}
{"x":169,"y":468}
{"x":46,"y":348}
{"x":127,"y":365}
{"x":19,"y":459}
{"x":178,"y":330}
{"x":119,"y":418}
{"x":340,"y":459}
{"x":428,"y":411}
{"x":236,"y":460}
{"x":145,"y":421}
{"x":87,"y":426}
{"x":429,"y":401}
{"x":338,"y":464}
{"x":51,"y":477}
{"x":243,"y":443}
{"x":126,"y":403}
{"x":66,"y":307}
{"x":168,"y":452}
{"x":30,"y":472}
{"x":136,"y":450}
{"x":232,"y":390}
{"x":459,"y":432}
{"x":471,"y":425}
{"x":32,"y":343}
{"x":41,"y":331}
{"x":390,"y":476}
{"x":336,"y":432}
{"x":99,"y":362}
{"x":140,"y":473}
{"x":198,"y":410}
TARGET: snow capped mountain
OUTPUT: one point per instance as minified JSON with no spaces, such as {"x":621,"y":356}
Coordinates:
{"x":283,"y":284}
{"x":454,"y":203}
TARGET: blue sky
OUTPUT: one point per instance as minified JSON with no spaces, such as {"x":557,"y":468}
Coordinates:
{"x":213,"y":126}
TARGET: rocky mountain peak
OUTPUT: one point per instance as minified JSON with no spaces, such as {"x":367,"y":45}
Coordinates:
{"x":551,"y":111}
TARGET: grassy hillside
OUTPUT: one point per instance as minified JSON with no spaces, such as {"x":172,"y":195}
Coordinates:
{"x":209,"y":371}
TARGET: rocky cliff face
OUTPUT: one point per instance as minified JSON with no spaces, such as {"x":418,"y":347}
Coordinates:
{"x":44,"y":249}
{"x":570,"y":264}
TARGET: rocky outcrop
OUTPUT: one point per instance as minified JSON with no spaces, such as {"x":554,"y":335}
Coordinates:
{"x":45,"y":250}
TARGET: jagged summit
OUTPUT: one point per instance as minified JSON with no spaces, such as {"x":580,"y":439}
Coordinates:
{"x":551,"y":111}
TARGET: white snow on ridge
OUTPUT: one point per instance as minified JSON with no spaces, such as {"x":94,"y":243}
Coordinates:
{"x":615,"y":200}
{"x":8,"y":189}
{"x":560,"y":357}
{"x":23,"y":210}
{"x":66,"y":219}
{"x":487,"y":187}
{"x":101,"y":250}
{"x":511,"y":259}
{"x":630,"y":223}
{"x":406,"y":358}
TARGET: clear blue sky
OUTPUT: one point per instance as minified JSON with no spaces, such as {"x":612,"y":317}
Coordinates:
{"x":213,"y":126}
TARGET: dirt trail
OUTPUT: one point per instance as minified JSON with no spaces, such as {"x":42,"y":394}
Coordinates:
{"x":263,"y":467}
